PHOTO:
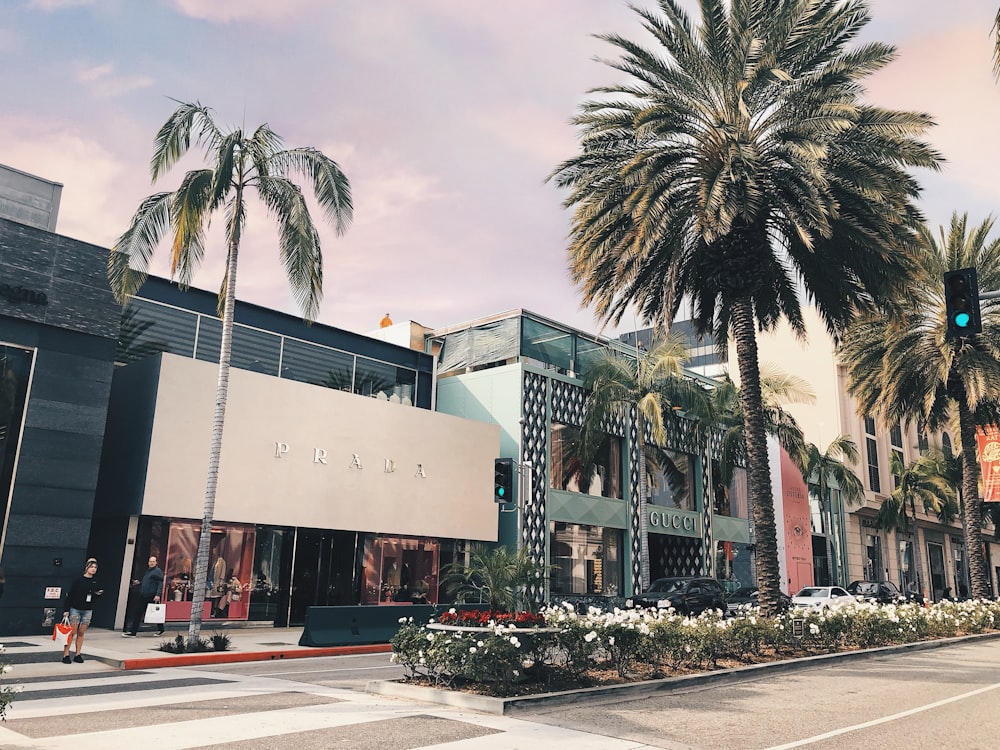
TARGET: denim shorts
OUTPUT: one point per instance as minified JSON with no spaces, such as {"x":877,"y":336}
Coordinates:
{"x":80,"y":616}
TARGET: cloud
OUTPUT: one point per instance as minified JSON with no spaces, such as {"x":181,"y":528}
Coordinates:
{"x":50,"y":6}
{"x":230,"y":11}
{"x":102,"y":80}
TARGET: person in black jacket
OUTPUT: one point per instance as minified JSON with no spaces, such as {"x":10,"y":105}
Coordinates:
{"x":80,"y":607}
{"x":150,"y":589}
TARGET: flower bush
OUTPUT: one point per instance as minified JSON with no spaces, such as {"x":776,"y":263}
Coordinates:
{"x":582,"y":645}
{"x":7,"y":694}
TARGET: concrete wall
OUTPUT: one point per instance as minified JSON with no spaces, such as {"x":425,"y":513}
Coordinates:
{"x":301,"y":455}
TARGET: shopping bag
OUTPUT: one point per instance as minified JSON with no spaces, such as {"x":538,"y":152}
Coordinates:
{"x":156,"y":614}
{"x":62,"y":632}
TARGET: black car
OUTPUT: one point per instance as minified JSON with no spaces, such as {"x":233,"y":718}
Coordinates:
{"x":688,"y":595}
{"x":747,"y":596}
{"x":883,"y":592}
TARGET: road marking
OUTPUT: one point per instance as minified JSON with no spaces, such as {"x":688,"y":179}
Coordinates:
{"x":312,"y":671}
{"x":884,"y":719}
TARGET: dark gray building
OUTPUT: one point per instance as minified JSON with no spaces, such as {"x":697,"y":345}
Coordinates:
{"x":58,"y":329}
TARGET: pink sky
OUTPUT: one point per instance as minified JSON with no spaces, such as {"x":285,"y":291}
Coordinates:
{"x":446,"y":115}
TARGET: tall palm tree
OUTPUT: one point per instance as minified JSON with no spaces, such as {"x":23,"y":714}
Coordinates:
{"x":653,"y":383}
{"x":922,"y":480}
{"x":241,"y":161}
{"x":906,"y":367}
{"x":738,"y":168}
{"x":829,"y":468}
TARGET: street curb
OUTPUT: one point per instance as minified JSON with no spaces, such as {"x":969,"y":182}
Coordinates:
{"x":234,"y":657}
{"x":628,"y":691}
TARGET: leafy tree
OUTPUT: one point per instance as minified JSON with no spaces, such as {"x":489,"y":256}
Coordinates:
{"x":241,"y":161}
{"x":905,"y":367}
{"x":738,"y":168}
{"x":653,"y":383}
{"x":497,"y":576}
{"x":831,"y":467}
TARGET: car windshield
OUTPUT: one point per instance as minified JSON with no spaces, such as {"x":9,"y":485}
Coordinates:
{"x":666,"y":585}
{"x":813,"y":592}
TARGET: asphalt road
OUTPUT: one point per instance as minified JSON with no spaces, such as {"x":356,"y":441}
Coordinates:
{"x":948,"y":697}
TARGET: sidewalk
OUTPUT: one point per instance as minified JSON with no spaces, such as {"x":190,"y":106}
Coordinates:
{"x":105,"y":650}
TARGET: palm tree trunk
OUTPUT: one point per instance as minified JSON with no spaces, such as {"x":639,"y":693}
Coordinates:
{"x":972,"y":520}
{"x":215,"y":449}
{"x":643,"y":520}
{"x":758,"y":468}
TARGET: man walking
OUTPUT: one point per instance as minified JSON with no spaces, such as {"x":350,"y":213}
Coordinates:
{"x":150,"y":589}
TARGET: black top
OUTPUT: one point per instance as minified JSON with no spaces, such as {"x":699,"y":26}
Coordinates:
{"x":152,"y":583}
{"x":82,"y":593}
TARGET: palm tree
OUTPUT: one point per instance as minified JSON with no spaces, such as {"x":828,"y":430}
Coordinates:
{"x":497,"y":576}
{"x":829,"y":468}
{"x":922,"y":480}
{"x":241,"y":161}
{"x":906,"y":367}
{"x":740,"y":169}
{"x":653,"y":383}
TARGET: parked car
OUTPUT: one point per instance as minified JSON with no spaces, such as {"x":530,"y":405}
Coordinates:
{"x":688,"y":595}
{"x":822,"y":597}
{"x":882,"y":592}
{"x":747,"y":597}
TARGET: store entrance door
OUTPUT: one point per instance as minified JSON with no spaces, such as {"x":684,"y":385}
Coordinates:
{"x":935,"y":553}
{"x":323,"y":571}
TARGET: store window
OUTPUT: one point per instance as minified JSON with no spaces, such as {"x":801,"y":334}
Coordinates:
{"x":603,"y":477}
{"x":670,"y":479}
{"x":401,"y":570}
{"x":732,"y":499}
{"x":230,"y":570}
{"x":586,"y":560}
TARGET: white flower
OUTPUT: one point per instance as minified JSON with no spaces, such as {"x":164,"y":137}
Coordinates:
{"x":453,"y":611}
{"x":401,"y":621}
{"x":516,"y":673}
{"x":423,"y":660}
{"x":611,"y":641}
{"x":590,"y":636}
{"x":814,"y":628}
{"x":472,"y":649}
{"x":430,"y":637}
{"x":514,"y":642}
{"x":479,"y":643}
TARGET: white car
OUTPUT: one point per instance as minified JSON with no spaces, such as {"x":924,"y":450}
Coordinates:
{"x":822,"y":597}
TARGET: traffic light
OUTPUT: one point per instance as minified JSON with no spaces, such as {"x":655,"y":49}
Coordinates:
{"x":961,"y":301}
{"x":503,"y":480}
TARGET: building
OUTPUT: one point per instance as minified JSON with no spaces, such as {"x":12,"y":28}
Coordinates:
{"x":860,"y":549}
{"x":58,"y":327}
{"x":526,"y":373}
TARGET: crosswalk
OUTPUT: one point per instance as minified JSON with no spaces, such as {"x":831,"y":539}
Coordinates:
{"x":178,"y":709}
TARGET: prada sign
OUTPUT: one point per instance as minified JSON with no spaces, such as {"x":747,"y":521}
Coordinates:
{"x":319,"y":456}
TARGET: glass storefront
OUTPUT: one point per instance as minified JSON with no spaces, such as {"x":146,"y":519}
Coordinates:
{"x":670,"y":480}
{"x":274,"y":574}
{"x":602,"y":478}
{"x":732,"y":499}
{"x":586,"y":560}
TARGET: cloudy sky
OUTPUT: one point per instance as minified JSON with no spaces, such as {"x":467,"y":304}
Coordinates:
{"x":446,"y":116}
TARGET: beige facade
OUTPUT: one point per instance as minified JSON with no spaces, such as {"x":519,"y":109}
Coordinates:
{"x":833,"y":413}
{"x":298,"y":455}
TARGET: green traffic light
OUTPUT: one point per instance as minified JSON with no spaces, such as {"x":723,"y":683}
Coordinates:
{"x":500,"y":492}
{"x":962,"y":320}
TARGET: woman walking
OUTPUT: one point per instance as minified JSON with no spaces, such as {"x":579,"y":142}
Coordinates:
{"x":80,"y":607}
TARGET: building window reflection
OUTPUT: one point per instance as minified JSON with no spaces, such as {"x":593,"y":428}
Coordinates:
{"x":603,"y":475}
{"x":586,"y":560}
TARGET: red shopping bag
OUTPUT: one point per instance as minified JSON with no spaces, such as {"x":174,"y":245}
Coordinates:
{"x":62,"y":632}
